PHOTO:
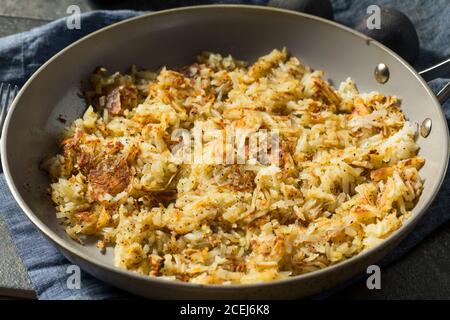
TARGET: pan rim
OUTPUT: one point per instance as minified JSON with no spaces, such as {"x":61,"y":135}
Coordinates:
{"x":62,"y":243}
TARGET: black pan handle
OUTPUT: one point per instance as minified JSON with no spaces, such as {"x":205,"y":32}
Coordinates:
{"x":438,"y":71}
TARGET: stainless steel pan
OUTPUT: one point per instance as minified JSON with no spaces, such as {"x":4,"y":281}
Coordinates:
{"x":174,"y":38}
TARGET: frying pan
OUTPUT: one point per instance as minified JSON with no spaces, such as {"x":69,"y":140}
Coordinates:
{"x":174,"y":38}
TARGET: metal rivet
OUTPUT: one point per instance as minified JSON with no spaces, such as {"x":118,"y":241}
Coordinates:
{"x":382,"y":73}
{"x":425,"y":127}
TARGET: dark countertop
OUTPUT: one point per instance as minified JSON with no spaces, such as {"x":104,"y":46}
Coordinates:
{"x":423,"y":273}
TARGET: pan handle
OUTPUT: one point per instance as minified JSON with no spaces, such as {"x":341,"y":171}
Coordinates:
{"x":440,"y":70}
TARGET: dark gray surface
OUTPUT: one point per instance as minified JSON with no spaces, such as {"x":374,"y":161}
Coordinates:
{"x":14,"y":280}
{"x":10,"y":25}
{"x":424,"y":273}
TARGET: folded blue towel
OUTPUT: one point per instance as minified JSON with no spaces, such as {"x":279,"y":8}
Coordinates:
{"x":22,"y":54}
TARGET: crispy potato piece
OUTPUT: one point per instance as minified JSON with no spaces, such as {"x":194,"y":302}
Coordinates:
{"x":267,"y":62}
{"x":382,"y":173}
{"x":121,"y":98}
{"x":325,"y":92}
{"x":111,"y":175}
{"x":385,"y":172}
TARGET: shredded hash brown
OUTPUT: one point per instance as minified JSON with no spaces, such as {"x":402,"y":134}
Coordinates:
{"x":347,"y":176}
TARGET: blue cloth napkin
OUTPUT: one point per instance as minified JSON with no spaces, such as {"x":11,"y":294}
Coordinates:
{"x":22,"y":54}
